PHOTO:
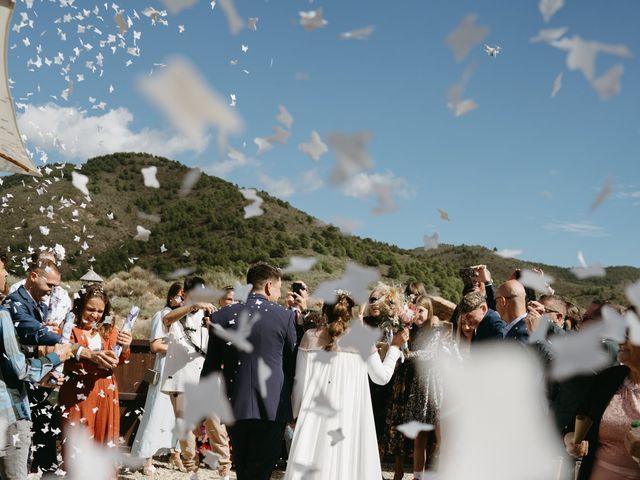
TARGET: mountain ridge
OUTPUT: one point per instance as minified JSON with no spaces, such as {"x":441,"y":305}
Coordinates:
{"x":206,"y":230}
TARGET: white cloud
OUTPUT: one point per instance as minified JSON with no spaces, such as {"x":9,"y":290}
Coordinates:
{"x":580,"y":229}
{"x":77,"y":135}
{"x":310,"y":181}
{"x":278,"y":187}
{"x":235,"y":159}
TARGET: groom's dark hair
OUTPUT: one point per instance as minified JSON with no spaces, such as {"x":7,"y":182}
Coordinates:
{"x":260,"y":273}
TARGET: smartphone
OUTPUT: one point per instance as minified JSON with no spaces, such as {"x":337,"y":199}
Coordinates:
{"x":297,"y":287}
{"x":468,"y":276}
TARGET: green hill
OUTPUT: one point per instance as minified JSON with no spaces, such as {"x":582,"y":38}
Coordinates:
{"x":206,"y":230}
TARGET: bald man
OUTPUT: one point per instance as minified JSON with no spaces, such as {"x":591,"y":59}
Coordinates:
{"x":511,"y":304}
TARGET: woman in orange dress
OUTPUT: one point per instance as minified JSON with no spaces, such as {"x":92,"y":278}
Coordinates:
{"x":89,"y":396}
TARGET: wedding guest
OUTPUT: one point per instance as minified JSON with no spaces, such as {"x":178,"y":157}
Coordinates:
{"x":29,"y":305}
{"x":341,"y":443}
{"x":216,"y":431}
{"x":4,"y":286}
{"x":380,"y":393}
{"x":555,"y":308}
{"x":414,"y":290}
{"x":261,"y":414}
{"x":228,"y":298}
{"x":187,"y":333}
{"x":155,"y":431}
{"x":485,"y":323}
{"x":475,"y":279}
{"x":395,"y":442}
{"x":296,"y":300}
{"x":58,"y":301}
{"x":464,"y":336}
{"x":15,"y":372}
{"x":612,"y":404}
{"x":511,"y":304}
{"x":433,"y":340}
{"x":90,"y":396}
{"x":574,"y":317}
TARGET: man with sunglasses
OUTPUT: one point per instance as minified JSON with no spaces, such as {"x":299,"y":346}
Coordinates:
{"x":555,"y":308}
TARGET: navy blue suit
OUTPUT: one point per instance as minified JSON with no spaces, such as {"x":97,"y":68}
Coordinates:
{"x":260,"y":422}
{"x":519,"y":332}
{"x":28,"y":318}
{"x":490,"y":328}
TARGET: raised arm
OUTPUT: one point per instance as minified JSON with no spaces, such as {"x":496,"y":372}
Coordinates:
{"x":32,"y":370}
{"x":381,"y":372}
{"x":177,"y":313}
{"x":29,"y":330}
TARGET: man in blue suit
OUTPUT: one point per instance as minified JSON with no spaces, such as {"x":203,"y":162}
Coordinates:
{"x":486,"y":322}
{"x":27,"y":309}
{"x":260,"y":421}
{"x":511,"y":304}
{"x":28,"y":314}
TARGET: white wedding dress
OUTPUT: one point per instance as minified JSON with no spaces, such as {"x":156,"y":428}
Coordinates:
{"x":332,"y":402}
{"x":155,"y":432}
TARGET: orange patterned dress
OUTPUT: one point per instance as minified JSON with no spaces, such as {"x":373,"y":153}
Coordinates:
{"x":89,"y":396}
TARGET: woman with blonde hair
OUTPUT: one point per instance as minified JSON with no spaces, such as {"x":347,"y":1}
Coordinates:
{"x":335,"y":433}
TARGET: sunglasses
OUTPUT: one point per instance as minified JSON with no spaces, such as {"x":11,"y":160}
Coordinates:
{"x":372,"y":300}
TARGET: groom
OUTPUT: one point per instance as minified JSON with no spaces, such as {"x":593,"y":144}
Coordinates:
{"x":260,"y":421}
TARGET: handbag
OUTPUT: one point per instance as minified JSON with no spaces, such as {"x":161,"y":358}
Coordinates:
{"x":151,"y":376}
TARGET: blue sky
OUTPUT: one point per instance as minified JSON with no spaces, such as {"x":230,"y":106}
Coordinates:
{"x":519,"y":172}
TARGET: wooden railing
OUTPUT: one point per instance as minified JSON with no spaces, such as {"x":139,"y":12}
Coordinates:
{"x":132,"y":388}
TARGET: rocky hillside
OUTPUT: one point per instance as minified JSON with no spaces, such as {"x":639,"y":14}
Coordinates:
{"x":206,"y":231}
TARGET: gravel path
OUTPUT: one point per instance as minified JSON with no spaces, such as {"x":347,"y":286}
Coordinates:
{"x":205,"y":474}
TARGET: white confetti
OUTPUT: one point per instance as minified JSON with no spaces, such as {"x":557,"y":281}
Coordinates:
{"x":181,"y":93}
{"x":284,"y":117}
{"x":548,"y":8}
{"x":300,"y":264}
{"x":509,"y":253}
{"x":557,"y":84}
{"x":238,"y":337}
{"x":143,"y":234}
{"x":359,"y":34}
{"x":190,"y":179}
{"x":80,"y":182}
{"x":336,"y":436}
{"x":531,"y":279}
{"x":431,"y":241}
{"x":149,"y":175}
{"x":466,"y":36}
{"x":413,"y":428}
{"x":264,"y":373}
{"x":315,"y":148}
{"x":351,"y":155}
{"x":356,"y":279}
{"x":608,"y":84}
{"x":254,"y":209}
{"x":312,"y":20}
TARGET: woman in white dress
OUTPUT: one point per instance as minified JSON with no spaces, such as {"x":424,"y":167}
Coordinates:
{"x":335,"y":435}
{"x":189,"y":337}
{"x":155,"y":432}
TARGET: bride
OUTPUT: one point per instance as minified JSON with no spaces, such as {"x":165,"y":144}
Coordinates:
{"x":335,"y":436}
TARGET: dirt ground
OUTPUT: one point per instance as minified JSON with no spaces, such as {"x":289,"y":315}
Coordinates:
{"x":205,"y":474}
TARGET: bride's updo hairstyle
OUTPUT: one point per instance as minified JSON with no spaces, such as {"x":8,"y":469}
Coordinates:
{"x":338,"y":316}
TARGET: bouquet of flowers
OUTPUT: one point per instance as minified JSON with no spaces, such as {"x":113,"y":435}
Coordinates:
{"x":396,"y":313}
